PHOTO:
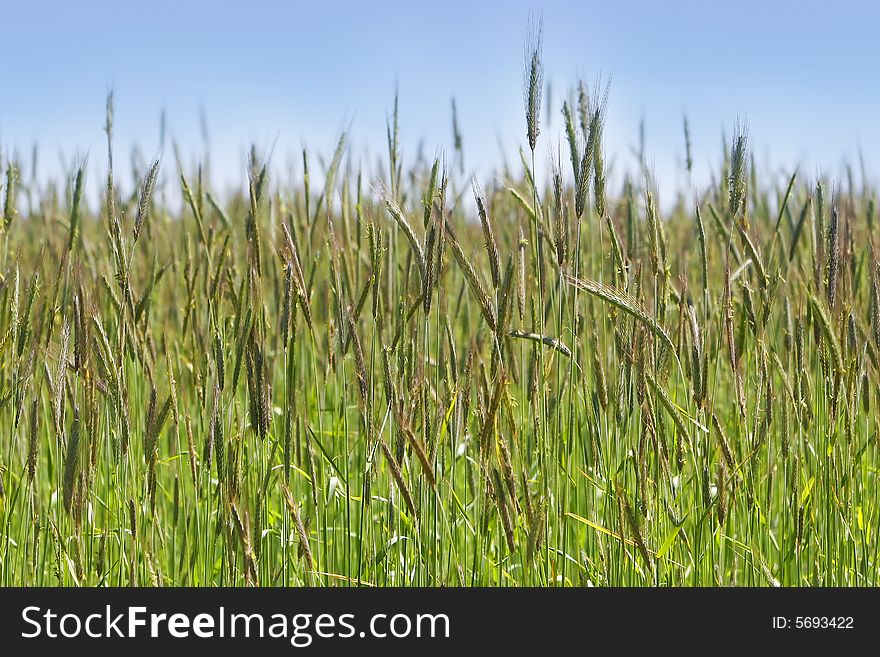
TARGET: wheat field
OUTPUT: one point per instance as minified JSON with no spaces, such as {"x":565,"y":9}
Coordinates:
{"x":399,"y":378}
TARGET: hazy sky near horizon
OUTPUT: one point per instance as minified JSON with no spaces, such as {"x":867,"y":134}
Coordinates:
{"x":802,"y":75}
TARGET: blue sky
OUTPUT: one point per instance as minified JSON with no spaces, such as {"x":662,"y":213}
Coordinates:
{"x":803,"y":75}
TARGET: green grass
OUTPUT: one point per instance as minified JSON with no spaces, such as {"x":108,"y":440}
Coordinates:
{"x":381,"y":383}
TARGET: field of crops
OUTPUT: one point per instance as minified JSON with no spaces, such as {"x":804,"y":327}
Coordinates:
{"x":403,"y":378}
